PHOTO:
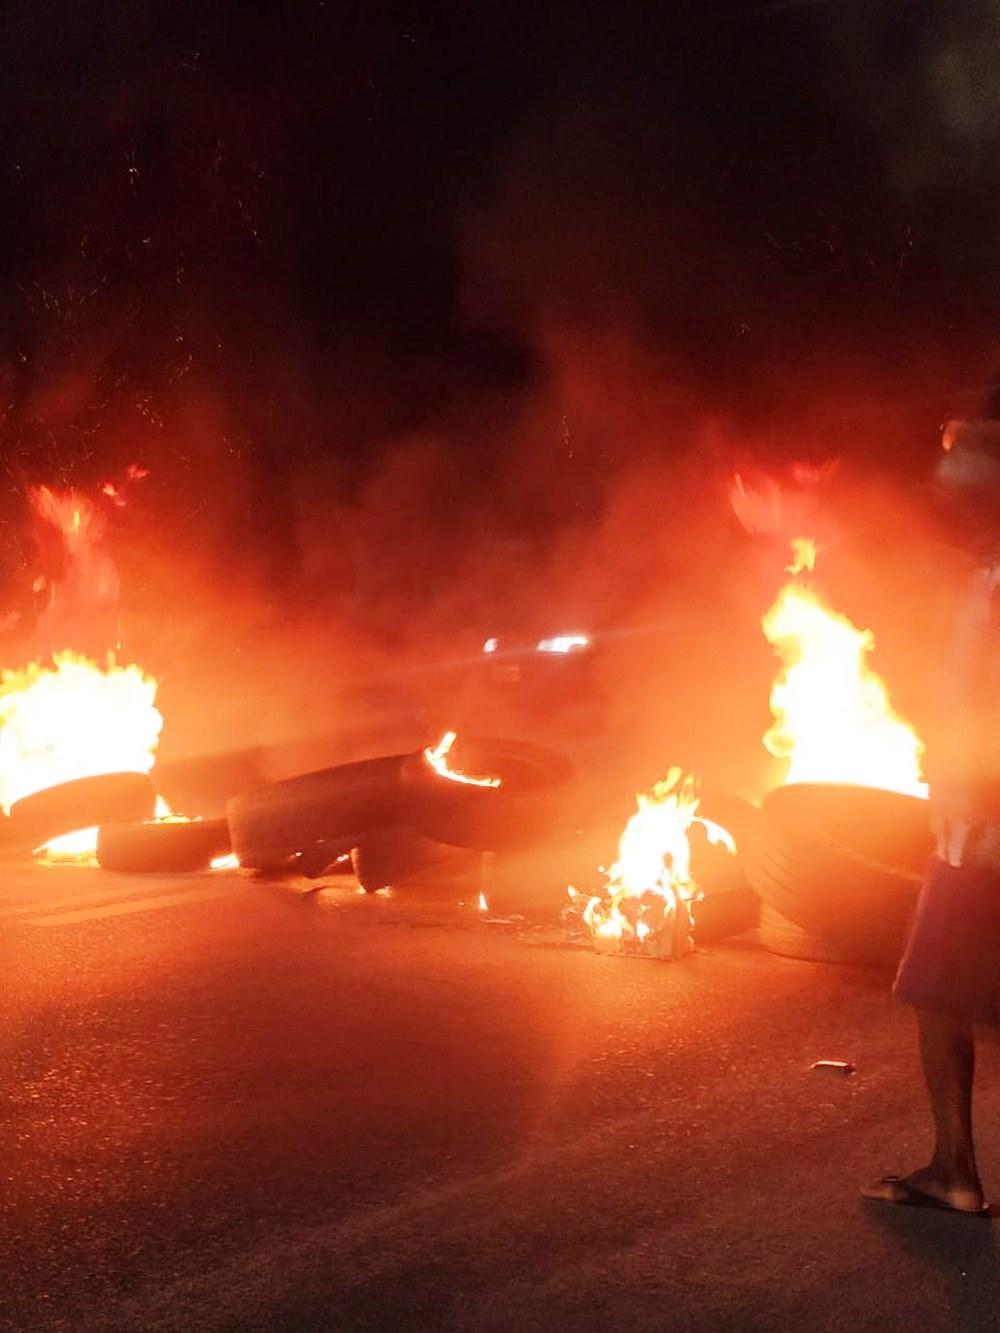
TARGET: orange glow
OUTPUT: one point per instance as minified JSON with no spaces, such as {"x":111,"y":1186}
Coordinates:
{"x":73,"y":514}
{"x":833,"y":721}
{"x":650,"y":887}
{"x":437,"y":757}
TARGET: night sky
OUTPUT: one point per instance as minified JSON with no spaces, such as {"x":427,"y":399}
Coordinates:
{"x":244,"y":243}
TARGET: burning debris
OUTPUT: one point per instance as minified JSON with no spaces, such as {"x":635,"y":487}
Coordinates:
{"x":648,"y":907}
{"x":429,"y":815}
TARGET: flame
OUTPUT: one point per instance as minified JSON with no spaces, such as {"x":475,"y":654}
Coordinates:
{"x":227,"y":861}
{"x":804,"y":552}
{"x":650,"y":884}
{"x":833,"y":721}
{"x":74,"y":719}
{"x":437,"y":757}
{"x":70,"y":717}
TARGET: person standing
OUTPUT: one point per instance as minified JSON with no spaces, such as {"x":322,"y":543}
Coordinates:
{"x":950,"y":972}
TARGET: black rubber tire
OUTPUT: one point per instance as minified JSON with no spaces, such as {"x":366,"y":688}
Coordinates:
{"x":780,"y":936}
{"x":83,"y":803}
{"x":158,"y":847}
{"x":883,"y":828}
{"x":532,"y":802}
{"x":271,"y":824}
{"x":401,"y":857}
{"x":720,"y":916}
{"x":860,"y":907}
{"x":714,"y":869}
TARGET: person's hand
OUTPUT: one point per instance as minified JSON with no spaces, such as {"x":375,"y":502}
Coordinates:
{"x":951,"y":821}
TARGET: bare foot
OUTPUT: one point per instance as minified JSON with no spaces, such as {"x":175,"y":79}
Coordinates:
{"x":928,"y":1188}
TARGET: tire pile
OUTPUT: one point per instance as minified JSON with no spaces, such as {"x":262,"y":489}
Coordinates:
{"x":130,"y":839}
{"x":401,"y":822}
{"x":829,"y":873}
{"x":393,"y":820}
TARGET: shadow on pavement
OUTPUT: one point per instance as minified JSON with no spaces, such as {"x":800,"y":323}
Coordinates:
{"x":964,"y":1250}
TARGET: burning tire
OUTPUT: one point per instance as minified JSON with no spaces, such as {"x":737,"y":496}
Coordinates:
{"x":843,"y":864}
{"x":83,"y":803}
{"x":163,"y":846}
{"x":528,"y":804}
{"x":401,"y":857}
{"x":335,"y":807}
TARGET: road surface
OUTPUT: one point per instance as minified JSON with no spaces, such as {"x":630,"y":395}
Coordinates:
{"x":230,"y":1105}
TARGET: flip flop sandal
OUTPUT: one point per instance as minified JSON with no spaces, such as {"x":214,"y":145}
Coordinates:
{"x":908,"y":1196}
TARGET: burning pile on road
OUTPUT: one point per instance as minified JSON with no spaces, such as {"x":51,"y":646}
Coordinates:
{"x":834,"y":730}
{"x":648,"y":906}
{"x":78,"y":738}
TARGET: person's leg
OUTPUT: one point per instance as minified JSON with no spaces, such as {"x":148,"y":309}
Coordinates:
{"x":948,"y":1058}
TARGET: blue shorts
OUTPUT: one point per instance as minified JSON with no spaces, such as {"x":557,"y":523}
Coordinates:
{"x":952,"y":958}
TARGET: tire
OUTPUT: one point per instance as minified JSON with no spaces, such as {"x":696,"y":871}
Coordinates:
{"x":780,"y":936}
{"x":713,"y":868}
{"x":401,"y":857}
{"x":720,"y":916}
{"x":860,"y":906}
{"x":337,"y":806}
{"x":883,"y":828}
{"x":531,"y":803}
{"x":83,"y":803}
{"x":161,"y":847}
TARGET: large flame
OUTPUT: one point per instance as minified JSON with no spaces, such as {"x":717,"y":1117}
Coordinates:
{"x":650,"y":887}
{"x":833,"y":721}
{"x":70,"y":717}
{"x":74,"y":719}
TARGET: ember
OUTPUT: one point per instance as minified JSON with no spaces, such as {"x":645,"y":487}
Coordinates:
{"x":648,"y":907}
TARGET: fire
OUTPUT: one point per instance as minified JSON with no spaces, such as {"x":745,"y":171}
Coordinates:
{"x":74,"y":719}
{"x":650,"y":885}
{"x":437,"y":757}
{"x":803,"y":556}
{"x":70,"y":716}
{"x":833,"y":721}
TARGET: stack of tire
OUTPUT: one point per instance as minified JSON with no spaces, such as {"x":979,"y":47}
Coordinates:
{"x":837,"y":869}
{"x":398,"y":819}
{"x":122,"y":806}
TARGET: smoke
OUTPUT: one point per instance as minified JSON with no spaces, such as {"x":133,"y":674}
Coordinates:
{"x":925,"y":80}
{"x":428,"y":335}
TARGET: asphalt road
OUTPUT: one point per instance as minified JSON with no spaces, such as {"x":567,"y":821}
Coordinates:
{"x":232,"y":1106}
